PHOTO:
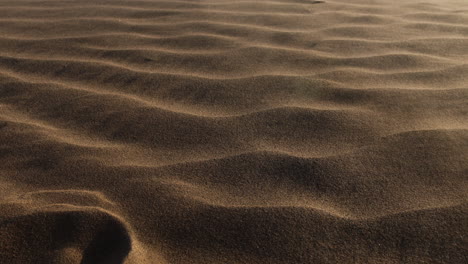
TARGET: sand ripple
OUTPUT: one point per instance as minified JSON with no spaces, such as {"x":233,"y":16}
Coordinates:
{"x":282,"y":131}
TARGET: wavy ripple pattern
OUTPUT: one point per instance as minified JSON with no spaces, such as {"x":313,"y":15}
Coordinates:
{"x":272,"y":131}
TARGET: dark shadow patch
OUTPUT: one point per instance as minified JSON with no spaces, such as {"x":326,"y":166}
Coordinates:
{"x":111,"y":245}
{"x":42,"y":163}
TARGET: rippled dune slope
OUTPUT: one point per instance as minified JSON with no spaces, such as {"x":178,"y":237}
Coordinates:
{"x":222,"y":131}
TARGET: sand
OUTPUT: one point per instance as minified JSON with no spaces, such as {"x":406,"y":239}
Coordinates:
{"x":203,"y":132}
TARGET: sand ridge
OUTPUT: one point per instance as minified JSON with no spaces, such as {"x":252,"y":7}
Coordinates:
{"x":271,"y":131}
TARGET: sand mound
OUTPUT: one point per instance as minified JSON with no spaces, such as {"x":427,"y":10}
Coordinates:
{"x":290,"y":131}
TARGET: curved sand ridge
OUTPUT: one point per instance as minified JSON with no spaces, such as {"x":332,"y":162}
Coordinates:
{"x":287,"y":131}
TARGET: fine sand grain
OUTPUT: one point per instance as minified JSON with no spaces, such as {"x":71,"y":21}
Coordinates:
{"x":229,"y":132}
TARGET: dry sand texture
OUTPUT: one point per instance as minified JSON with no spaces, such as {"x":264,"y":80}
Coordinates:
{"x":203,"y":132}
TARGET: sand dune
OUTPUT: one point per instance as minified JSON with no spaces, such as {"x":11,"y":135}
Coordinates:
{"x":275,"y":131}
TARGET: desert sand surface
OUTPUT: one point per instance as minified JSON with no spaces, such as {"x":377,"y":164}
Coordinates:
{"x":229,"y":132}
